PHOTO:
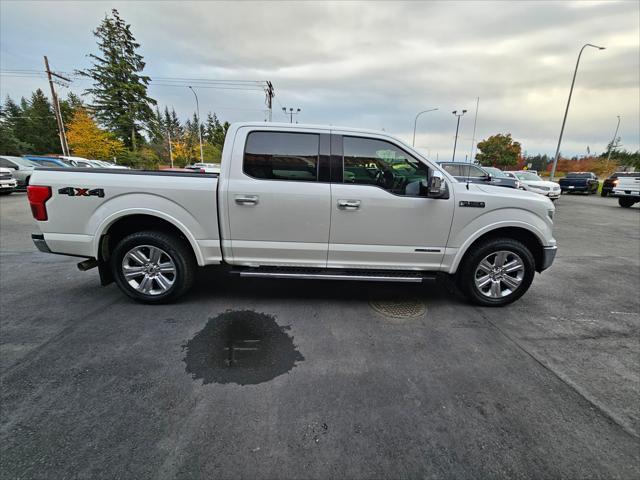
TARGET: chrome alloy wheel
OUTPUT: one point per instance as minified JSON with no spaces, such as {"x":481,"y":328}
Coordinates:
{"x":499,"y":274}
{"x":149,"y":270}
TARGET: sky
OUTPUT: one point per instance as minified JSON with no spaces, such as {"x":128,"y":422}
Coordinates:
{"x":368,"y":64}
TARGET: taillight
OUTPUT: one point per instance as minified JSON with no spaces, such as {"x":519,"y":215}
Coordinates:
{"x":38,"y":196}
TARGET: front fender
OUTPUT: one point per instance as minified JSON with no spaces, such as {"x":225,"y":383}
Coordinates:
{"x":487,"y":222}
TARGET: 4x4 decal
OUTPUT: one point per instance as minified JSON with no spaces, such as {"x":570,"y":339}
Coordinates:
{"x":81,"y":192}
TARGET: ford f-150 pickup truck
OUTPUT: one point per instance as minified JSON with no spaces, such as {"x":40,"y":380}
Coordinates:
{"x":296,"y":201}
{"x":627,"y":190}
{"x":579,"y":182}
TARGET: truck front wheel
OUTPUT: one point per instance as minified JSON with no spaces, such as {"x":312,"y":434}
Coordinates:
{"x":153,"y":267}
{"x":497,"y":272}
{"x":625,"y":202}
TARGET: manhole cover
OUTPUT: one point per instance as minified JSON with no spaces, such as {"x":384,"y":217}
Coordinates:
{"x":399,"y":308}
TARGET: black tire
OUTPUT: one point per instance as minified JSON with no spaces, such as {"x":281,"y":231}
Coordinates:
{"x":626,"y":202}
{"x":470,"y":264}
{"x":26,"y":181}
{"x":176,"y":249}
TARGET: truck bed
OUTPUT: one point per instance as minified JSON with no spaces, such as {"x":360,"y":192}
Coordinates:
{"x":85,"y":202}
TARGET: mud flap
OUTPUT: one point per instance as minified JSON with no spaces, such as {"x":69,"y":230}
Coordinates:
{"x":106,"y":277}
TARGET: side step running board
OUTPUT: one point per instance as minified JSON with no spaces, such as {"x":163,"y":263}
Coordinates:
{"x":354,"y":276}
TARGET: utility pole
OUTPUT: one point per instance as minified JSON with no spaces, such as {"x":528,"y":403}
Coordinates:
{"x":270,"y":94}
{"x":455,"y":142}
{"x":475,"y":121}
{"x":56,"y":107}
{"x":613,"y":140}
{"x":291,"y":113}
{"x":170,"y":147}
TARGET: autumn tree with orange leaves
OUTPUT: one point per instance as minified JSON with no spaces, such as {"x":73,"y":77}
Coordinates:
{"x":88,"y":140}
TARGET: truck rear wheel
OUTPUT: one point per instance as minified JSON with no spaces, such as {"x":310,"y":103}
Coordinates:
{"x":497,"y":272}
{"x":153,"y":267}
{"x":626,"y":202}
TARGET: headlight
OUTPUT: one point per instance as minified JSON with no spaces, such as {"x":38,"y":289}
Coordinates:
{"x":551,"y":213}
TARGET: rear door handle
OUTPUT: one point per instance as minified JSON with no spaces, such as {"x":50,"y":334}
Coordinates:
{"x":246,"y":199}
{"x":348,"y":204}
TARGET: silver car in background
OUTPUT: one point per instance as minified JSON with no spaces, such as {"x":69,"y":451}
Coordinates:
{"x":21,"y":168}
{"x":533,"y":183}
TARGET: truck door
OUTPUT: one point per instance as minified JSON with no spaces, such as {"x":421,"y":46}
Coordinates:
{"x":278,"y":197}
{"x":378,"y":218}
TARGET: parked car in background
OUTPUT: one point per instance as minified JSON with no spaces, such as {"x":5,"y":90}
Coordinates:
{"x":7,"y":182}
{"x":51,"y":162}
{"x":612,"y":181}
{"x":627,"y":190}
{"x":77,"y":162}
{"x":498,"y":176}
{"x":533,"y":183}
{"x":579,"y":182}
{"x":475,"y":174}
{"x":104,"y":164}
{"x":205,"y":167}
{"x":21,"y":168}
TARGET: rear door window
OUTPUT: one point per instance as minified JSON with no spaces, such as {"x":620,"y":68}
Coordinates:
{"x":282,"y":156}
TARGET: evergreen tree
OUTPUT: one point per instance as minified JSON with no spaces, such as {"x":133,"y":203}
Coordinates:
{"x":41,"y":127}
{"x":15,"y":117}
{"x":212,"y":125}
{"x":172,"y":123}
{"x":10,"y":144}
{"x":119,"y":88}
{"x":69,"y":107}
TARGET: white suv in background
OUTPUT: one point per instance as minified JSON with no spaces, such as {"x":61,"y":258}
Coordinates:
{"x":7,"y":182}
{"x":533,"y":183}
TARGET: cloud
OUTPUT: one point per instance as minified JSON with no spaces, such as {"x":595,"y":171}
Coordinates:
{"x":375,"y":64}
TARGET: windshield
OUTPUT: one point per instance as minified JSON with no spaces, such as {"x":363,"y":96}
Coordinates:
{"x":23,"y":162}
{"x":524,"y":176}
{"x":578,"y":175}
{"x":495,"y":172}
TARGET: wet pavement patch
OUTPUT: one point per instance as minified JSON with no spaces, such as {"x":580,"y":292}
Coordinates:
{"x":243,"y":347}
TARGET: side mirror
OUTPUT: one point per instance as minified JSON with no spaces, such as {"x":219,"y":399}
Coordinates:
{"x":435,"y":187}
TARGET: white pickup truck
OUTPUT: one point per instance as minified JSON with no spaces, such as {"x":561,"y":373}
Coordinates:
{"x":627,"y":189}
{"x":296,"y":201}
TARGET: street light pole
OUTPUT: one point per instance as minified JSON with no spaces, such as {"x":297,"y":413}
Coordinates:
{"x":291,"y":113}
{"x":199,"y":129}
{"x":455,"y":142}
{"x":415,"y":123}
{"x":613,"y":140}
{"x":566,"y":111}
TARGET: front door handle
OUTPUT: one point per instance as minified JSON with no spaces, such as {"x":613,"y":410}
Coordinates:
{"x":348,"y":204}
{"x":246,"y":199}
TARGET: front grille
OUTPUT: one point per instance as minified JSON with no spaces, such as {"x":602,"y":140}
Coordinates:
{"x":5,"y":176}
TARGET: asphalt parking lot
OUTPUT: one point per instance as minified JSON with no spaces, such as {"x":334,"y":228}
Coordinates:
{"x":97,"y":386}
